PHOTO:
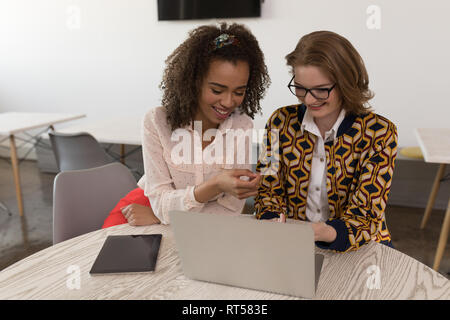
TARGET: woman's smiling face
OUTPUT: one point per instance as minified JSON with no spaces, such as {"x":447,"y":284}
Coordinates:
{"x":222,"y":91}
{"x":310,"y":77}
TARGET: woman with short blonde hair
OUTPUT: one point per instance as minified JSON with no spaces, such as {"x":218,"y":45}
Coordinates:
{"x":335,"y":156}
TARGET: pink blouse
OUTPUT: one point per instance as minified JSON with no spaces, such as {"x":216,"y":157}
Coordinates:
{"x":175,"y":163}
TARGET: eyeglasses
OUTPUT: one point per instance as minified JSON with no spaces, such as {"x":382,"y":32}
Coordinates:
{"x":318,"y":93}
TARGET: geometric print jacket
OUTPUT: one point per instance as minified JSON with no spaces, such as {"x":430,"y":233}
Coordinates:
{"x":360,"y":166}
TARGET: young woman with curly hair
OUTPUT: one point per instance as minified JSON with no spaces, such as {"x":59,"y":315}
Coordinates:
{"x":213,"y":81}
{"x":335,"y":156}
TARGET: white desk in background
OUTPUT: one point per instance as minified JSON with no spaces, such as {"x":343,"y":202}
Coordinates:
{"x":435,"y":146}
{"x":122,"y":130}
{"x":14,"y":123}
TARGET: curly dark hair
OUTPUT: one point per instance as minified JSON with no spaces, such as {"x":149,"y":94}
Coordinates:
{"x":188,"y":65}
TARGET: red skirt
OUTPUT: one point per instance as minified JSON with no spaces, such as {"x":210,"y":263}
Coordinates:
{"x":116,"y":217}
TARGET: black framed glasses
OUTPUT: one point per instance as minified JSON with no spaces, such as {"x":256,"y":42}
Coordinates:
{"x":301,"y":92}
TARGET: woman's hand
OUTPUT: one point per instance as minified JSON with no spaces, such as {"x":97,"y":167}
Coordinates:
{"x":281,"y":219}
{"x":322,"y":231}
{"x":229,"y":181}
{"x":138,"y":215}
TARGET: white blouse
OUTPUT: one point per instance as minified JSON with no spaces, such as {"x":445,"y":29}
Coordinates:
{"x":174,"y":163}
{"x":317,"y":208}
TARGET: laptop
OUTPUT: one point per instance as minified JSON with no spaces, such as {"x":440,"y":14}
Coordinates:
{"x":244,"y":252}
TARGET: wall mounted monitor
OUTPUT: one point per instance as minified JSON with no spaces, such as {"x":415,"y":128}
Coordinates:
{"x":207,"y":9}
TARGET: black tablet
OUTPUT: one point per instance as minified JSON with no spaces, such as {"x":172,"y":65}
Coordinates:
{"x":127,"y":254}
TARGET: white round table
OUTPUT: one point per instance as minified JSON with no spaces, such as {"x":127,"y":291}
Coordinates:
{"x":62,"y":272}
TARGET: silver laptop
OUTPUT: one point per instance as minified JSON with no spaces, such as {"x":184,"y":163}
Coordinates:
{"x":244,"y":252}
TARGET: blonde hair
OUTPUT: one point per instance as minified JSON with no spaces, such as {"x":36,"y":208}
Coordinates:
{"x":340,"y":61}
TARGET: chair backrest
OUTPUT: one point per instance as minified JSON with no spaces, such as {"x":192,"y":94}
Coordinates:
{"x":77,"y":151}
{"x":82,"y":199}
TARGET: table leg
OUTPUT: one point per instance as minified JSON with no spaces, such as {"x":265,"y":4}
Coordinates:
{"x":15,"y":166}
{"x":122,"y":153}
{"x":434,"y":191}
{"x":5,"y":208}
{"x":442,"y":239}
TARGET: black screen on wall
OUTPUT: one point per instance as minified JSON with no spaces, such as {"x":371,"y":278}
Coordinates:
{"x":207,"y":9}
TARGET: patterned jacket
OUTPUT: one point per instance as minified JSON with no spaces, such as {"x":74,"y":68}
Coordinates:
{"x":360,"y":166}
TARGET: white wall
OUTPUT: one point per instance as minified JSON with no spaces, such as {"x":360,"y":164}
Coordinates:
{"x":110,"y":60}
